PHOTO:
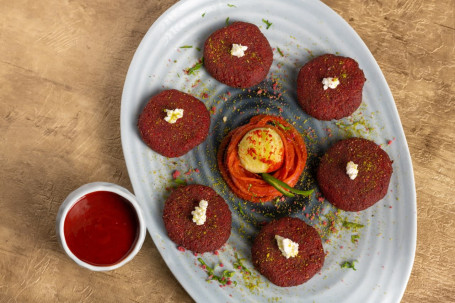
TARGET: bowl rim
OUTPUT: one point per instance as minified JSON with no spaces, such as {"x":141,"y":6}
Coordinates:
{"x":88,"y":188}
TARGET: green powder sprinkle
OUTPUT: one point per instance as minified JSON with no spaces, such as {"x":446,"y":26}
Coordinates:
{"x":354,"y":238}
{"x":352,"y":225}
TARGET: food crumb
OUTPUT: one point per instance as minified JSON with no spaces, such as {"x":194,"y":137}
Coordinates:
{"x":175,"y":174}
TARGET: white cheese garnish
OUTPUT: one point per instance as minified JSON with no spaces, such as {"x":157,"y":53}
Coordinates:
{"x":330,"y":83}
{"x":199,"y":213}
{"x":173,"y":115}
{"x":288,"y":248}
{"x":238,"y":50}
{"x":351,"y":170}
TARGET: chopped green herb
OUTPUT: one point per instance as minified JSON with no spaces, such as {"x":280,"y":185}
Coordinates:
{"x":180,"y":181}
{"x":352,"y":225}
{"x":249,"y":186}
{"x":198,"y":49}
{"x":354,"y":238}
{"x":227,"y":273}
{"x":241,"y":209}
{"x":279,"y":51}
{"x":231,"y":5}
{"x":186,"y":46}
{"x":227,"y":21}
{"x":190,"y":71}
{"x":267,"y":23}
{"x":203,"y":15}
{"x":348,"y":264}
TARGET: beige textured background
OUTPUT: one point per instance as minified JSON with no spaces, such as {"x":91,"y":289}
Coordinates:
{"x":62,"y":67}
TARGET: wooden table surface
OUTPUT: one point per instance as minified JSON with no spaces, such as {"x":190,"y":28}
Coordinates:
{"x":62,"y":68}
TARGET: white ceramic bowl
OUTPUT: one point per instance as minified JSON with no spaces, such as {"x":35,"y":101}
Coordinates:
{"x":75,"y":196}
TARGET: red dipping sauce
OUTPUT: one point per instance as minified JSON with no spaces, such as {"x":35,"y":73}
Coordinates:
{"x":101,"y":228}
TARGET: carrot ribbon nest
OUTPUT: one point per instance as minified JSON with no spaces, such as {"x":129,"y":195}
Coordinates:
{"x":254,"y":187}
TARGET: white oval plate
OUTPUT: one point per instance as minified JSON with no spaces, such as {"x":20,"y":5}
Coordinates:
{"x":301,"y":29}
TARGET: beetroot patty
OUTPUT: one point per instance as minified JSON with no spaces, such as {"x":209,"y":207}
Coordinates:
{"x":269,"y":261}
{"x":179,"y":224}
{"x":335,"y":103}
{"x":234,"y":71}
{"x":371,"y":183}
{"x":174,"y":140}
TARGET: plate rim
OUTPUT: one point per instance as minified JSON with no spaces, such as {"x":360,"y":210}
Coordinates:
{"x":187,"y":285}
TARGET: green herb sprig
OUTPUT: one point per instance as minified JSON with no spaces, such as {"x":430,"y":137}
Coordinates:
{"x":280,"y":52}
{"x":239,"y":264}
{"x":284,"y":188}
{"x":276,"y":123}
{"x":225,"y":277}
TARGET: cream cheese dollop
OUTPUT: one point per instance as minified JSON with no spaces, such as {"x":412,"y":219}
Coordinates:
{"x":199,"y":212}
{"x":238,"y":50}
{"x":330,"y":83}
{"x":351,"y":170}
{"x":288,"y":248}
{"x":173,"y":115}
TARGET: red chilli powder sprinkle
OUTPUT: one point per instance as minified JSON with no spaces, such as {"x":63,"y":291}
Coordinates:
{"x":176,"y":174}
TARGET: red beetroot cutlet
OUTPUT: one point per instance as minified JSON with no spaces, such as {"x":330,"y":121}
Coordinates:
{"x":174,"y":140}
{"x":179,"y":224}
{"x":269,"y":261}
{"x":371,"y":183}
{"x":330,"y":103}
{"x":242,"y":72}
